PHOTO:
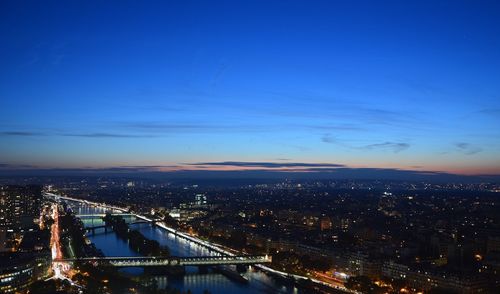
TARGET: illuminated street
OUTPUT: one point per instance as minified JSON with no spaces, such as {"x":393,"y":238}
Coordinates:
{"x":59,"y":268}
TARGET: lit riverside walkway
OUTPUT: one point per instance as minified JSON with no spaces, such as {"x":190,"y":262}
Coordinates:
{"x":141,"y":261}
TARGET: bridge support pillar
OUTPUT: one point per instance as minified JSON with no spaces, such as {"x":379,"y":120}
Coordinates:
{"x":241,"y":268}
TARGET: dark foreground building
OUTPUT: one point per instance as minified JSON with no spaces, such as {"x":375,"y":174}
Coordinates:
{"x":19,"y":270}
{"x":19,"y":211}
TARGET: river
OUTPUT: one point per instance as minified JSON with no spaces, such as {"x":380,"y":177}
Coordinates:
{"x":111,"y":245}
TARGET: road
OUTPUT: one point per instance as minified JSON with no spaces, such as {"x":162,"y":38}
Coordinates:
{"x":59,"y":268}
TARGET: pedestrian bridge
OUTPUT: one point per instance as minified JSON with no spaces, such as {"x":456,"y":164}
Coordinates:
{"x":140,"y":261}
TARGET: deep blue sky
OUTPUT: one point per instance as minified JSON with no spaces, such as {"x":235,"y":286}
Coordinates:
{"x":396,"y":84}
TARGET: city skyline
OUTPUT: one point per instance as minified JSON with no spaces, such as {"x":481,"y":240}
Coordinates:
{"x":256,"y":86}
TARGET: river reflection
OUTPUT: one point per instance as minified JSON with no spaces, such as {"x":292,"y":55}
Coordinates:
{"x":197,"y":282}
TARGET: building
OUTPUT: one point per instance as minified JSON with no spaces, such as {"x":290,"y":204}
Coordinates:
{"x":359,"y":263}
{"x":345,"y":223}
{"x":325,"y":223}
{"x":200,"y":199}
{"x":493,"y":244}
{"x":19,"y":210}
{"x":19,"y":206}
{"x":427,"y":279}
{"x":19,"y":270}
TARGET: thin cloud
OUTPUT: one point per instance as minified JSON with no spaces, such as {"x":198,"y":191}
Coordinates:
{"x":317,"y":105}
{"x":21,"y":134}
{"x":170,"y":126}
{"x":491,"y":112}
{"x":396,"y":147}
{"x":16,"y":166}
{"x":467,"y":148}
{"x":86,"y":135}
{"x":152,"y":127}
{"x":218,"y":74}
{"x":266,"y":164}
{"x":107,"y":135}
{"x":327,"y":138}
{"x":146,"y":166}
{"x":138,"y":168}
{"x":329,"y":127}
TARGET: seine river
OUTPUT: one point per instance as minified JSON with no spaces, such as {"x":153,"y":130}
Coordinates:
{"x":216,"y":283}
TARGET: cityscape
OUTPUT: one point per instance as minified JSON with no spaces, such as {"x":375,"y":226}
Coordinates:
{"x":95,"y":234}
{"x":219,"y":147}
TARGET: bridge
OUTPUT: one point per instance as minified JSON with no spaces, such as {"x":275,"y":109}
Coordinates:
{"x":141,"y":261}
{"x":101,"y":215}
{"x":93,"y":228}
{"x":124,"y":211}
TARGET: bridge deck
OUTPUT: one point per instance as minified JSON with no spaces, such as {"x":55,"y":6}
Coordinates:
{"x":101,"y":215}
{"x":140,"y":261}
{"x":107,"y":226}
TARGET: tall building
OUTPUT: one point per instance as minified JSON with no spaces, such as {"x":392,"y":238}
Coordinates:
{"x":19,"y":210}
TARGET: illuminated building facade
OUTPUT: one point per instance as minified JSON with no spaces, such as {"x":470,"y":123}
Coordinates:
{"x":19,"y":210}
{"x":19,"y":270}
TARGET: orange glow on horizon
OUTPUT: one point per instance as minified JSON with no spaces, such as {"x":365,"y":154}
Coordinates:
{"x":174,"y":167}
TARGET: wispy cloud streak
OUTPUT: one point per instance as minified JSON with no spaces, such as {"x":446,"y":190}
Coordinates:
{"x":21,"y":134}
{"x":396,"y":147}
{"x":107,"y":135}
{"x":266,"y":164}
{"x":86,"y":135}
{"x":467,"y":148}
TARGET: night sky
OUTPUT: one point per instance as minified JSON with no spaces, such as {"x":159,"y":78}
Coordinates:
{"x":411,"y":85}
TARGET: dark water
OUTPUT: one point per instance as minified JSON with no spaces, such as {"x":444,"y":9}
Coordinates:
{"x":197,"y":282}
